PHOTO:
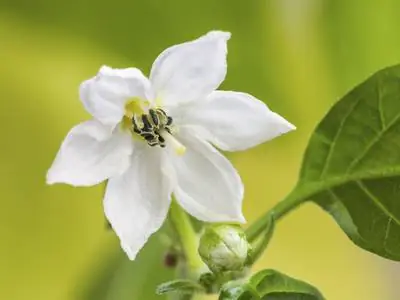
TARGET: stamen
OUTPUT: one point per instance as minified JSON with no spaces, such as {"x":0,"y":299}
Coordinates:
{"x":135,"y":126}
{"x":146,"y":123}
{"x":173,"y":142}
{"x":154,"y":117}
{"x":155,"y":128}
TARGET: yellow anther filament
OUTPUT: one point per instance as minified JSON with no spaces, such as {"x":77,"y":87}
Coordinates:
{"x":174,"y":143}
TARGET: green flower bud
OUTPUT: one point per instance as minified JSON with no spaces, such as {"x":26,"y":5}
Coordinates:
{"x":224,"y":248}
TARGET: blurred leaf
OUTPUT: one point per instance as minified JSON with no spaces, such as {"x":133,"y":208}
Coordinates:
{"x":352,"y":165}
{"x":122,"y":279}
{"x":272,"y":285}
{"x":184,"y":286}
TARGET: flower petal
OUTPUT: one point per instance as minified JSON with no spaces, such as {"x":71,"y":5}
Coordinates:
{"x":191,"y":70}
{"x":90,"y":153}
{"x":236,"y":121}
{"x":136,"y":203}
{"x":208,"y":186}
{"x":105,"y":95}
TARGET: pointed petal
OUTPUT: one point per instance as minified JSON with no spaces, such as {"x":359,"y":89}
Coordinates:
{"x":90,"y":153}
{"x":105,"y":95}
{"x":236,"y":121}
{"x":190,"y":71}
{"x":208,"y":186}
{"x":136,"y":203}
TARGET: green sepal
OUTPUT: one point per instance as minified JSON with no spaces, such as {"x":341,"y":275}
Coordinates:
{"x":183,"y":286}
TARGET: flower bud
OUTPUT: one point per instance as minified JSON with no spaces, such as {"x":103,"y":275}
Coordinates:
{"x":224,"y":248}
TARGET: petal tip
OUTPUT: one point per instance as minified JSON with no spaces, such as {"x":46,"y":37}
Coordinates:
{"x":242,"y":219}
{"x":104,"y":70}
{"x":217,"y":34}
{"x":50,"y":180}
{"x":291,"y":127}
{"x":129,"y":251}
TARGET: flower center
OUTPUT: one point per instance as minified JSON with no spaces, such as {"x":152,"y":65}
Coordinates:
{"x":155,"y":129}
{"x":152,"y":126}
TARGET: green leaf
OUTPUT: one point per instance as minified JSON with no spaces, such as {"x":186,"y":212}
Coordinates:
{"x":352,"y":164}
{"x":183,"y":286}
{"x":273,"y":285}
{"x":269,"y":285}
{"x":238,"y":290}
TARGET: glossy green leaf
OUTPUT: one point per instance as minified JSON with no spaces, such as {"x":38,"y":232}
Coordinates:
{"x":183,"y":286}
{"x":273,"y":285}
{"x":270,"y":285}
{"x":238,"y":290}
{"x":352,"y":164}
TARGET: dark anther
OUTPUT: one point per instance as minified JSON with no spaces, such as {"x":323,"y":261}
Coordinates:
{"x":148,"y":137}
{"x":169,"y":121}
{"x":135,"y":127}
{"x":150,"y":126}
{"x":159,"y":110}
{"x":146,"y":122}
{"x":161,"y":139}
{"x":154,"y":117}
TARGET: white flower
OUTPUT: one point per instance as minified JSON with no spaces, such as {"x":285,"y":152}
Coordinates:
{"x":153,"y":137}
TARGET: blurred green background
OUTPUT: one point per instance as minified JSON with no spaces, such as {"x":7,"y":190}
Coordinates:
{"x":299,"y":56}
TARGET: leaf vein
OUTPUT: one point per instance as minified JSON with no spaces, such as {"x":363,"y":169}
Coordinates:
{"x":370,"y":145}
{"x":388,"y":226}
{"x":338,"y":132}
{"x":380,"y":106}
{"x":376,"y":201}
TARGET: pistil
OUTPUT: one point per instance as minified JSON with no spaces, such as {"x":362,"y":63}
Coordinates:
{"x":173,"y":142}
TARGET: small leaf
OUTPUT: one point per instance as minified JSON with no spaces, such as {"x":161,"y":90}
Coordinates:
{"x":352,"y":164}
{"x":238,"y":290}
{"x":273,"y":285}
{"x":183,"y":286}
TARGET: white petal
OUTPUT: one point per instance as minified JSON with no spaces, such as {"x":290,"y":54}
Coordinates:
{"x":136,"y":203}
{"x":90,"y":153}
{"x":208,"y":186}
{"x":191,"y":70}
{"x":105,"y":95}
{"x":236,"y":121}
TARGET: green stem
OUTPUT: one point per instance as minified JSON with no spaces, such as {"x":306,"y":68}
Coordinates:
{"x":188,"y":238}
{"x":283,"y":207}
{"x":260,"y":244}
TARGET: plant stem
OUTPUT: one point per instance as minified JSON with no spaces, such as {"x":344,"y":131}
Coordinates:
{"x":188,"y":238}
{"x":261,"y":243}
{"x":283,"y":207}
